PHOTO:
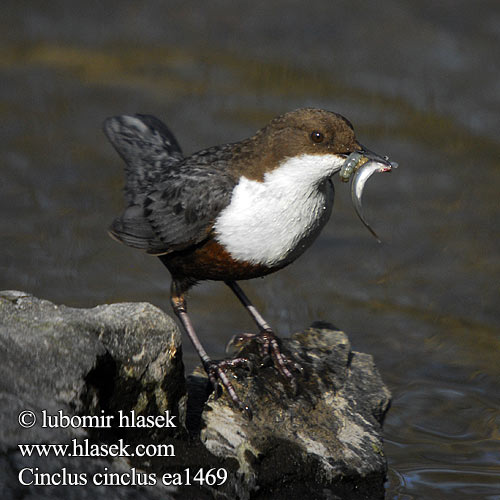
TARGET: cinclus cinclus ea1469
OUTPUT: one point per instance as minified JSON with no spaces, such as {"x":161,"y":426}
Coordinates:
{"x":235,"y":211}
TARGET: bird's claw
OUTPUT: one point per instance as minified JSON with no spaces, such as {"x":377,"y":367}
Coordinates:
{"x":269,"y":348}
{"x":216,"y":371}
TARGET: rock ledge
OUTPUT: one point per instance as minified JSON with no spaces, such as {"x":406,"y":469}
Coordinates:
{"x":322,"y":442}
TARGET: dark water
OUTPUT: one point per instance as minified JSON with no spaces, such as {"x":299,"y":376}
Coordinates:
{"x":419,"y":80}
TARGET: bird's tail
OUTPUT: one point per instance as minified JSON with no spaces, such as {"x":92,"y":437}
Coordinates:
{"x":146,"y":145}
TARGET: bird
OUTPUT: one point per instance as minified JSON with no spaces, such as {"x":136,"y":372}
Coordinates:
{"x":231,"y":212}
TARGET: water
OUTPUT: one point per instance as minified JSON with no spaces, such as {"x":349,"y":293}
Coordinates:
{"x":420,"y":83}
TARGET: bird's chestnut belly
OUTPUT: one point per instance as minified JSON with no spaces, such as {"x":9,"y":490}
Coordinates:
{"x":209,"y":260}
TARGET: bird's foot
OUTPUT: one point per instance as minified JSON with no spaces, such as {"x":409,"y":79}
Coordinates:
{"x":216,"y":371}
{"x":269,"y":347}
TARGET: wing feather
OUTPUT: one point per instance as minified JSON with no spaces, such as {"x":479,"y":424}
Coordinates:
{"x":182,"y":209}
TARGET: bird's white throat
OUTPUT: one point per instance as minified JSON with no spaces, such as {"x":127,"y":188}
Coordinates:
{"x":274,"y":221}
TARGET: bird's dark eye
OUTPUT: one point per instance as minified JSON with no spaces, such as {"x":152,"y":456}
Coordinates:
{"x":317,"y":136}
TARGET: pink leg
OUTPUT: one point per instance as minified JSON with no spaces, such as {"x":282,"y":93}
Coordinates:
{"x":216,"y":370}
{"x":266,"y":338}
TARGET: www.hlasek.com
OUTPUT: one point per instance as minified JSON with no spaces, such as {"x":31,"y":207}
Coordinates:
{"x":33,"y":476}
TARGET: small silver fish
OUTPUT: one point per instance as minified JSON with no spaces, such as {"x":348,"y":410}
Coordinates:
{"x":359,"y":167}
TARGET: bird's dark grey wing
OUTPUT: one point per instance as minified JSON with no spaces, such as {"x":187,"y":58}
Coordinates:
{"x":133,"y":229}
{"x":179,"y":209}
{"x":146,"y":145}
{"x":183,"y":208}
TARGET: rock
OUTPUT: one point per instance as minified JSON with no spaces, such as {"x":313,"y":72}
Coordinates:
{"x":80,"y":361}
{"x":323,"y":442}
{"x":325,"y":439}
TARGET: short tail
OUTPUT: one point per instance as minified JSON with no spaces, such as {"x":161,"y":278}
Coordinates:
{"x":146,"y":145}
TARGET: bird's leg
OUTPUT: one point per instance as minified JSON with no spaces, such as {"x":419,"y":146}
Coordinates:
{"x":215,"y":369}
{"x":267,"y":340}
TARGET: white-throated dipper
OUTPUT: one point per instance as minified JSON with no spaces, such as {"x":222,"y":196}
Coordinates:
{"x":235,"y":211}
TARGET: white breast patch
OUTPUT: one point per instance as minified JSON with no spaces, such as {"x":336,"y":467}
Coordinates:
{"x":274,"y":221}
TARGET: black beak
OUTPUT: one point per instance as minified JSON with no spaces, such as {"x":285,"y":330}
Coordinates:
{"x":384,"y":160}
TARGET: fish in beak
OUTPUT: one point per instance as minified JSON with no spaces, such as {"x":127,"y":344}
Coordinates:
{"x":359,"y":167}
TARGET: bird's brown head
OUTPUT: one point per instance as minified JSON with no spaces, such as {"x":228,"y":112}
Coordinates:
{"x":305,"y":131}
{"x":311,"y":131}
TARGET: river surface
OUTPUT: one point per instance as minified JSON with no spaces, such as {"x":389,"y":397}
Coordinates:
{"x":420,"y":81}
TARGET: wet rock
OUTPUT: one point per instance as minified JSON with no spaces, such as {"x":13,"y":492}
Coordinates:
{"x":79,"y":361}
{"x":324,"y":440}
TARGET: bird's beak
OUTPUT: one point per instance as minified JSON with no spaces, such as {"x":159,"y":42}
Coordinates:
{"x":383,"y":161}
{"x":363,"y":163}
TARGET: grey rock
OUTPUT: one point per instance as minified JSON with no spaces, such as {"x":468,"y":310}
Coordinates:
{"x":80,"y":361}
{"x":323,"y":440}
